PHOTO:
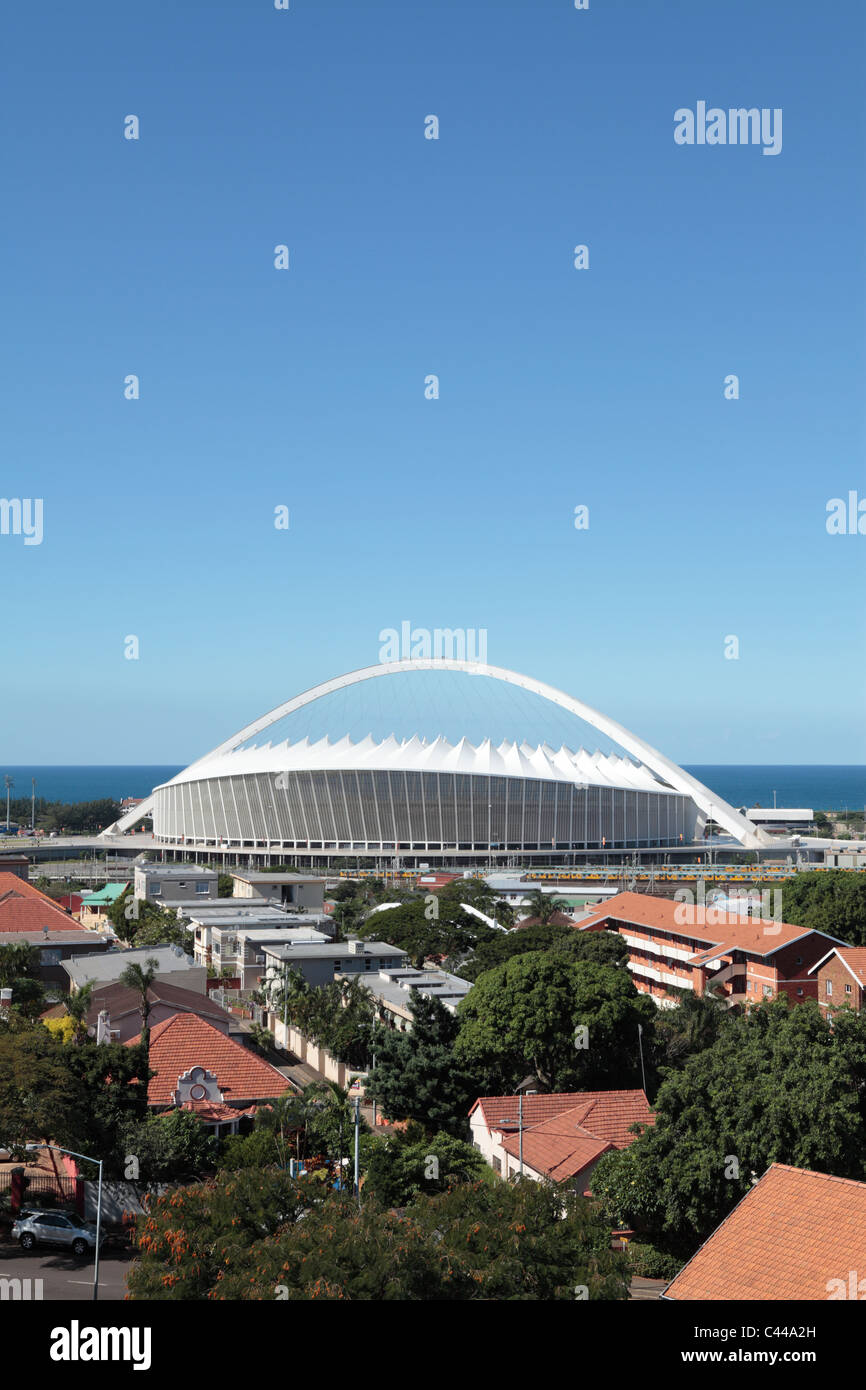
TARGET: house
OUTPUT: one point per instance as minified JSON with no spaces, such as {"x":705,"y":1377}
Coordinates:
{"x":564,"y":1134}
{"x":841,"y":978}
{"x":241,"y":950}
{"x":197,"y":1067}
{"x":676,"y":945}
{"x":181,"y":882}
{"x":299,"y":891}
{"x":171,"y":962}
{"x":17,"y":864}
{"x":392,"y":991}
{"x":94,"y":906}
{"x":796,"y":1236}
{"x":320,"y":961}
{"x":119,"y":1009}
{"x":30,"y":918}
{"x":216,"y":931}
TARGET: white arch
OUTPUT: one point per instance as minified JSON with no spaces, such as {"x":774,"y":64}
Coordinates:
{"x":706,"y":800}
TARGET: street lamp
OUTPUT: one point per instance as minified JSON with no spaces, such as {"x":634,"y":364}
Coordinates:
{"x":98,"y":1161}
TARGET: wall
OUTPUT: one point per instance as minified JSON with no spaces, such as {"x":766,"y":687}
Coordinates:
{"x":306,"y":1051}
{"x":117,"y":1198}
{"x":840,"y":976}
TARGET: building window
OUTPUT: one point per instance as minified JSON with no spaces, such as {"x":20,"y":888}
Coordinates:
{"x":828,"y":988}
{"x":202,"y":887}
{"x":847,"y":989}
{"x":799,"y":991}
{"x":497,"y":1164}
{"x":768,"y":990}
{"x":156,"y":890}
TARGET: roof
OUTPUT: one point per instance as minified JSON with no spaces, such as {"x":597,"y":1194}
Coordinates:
{"x":759,"y":813}
{"x":120,"y":1002}
{"x":262,"y":876}
{"x":789,"y":1238}
{"x":854,"y":957}
{"x":563,"y":1144}
{"x":430,"y":755}
{"x":150,"y":866}
{"x":756,"y":935}
{"x":24,"y":908}
{"x":106,"y":896}
{"x":185,"y":1040}
{"x":111,"y":964}
{"x":338,"y":950}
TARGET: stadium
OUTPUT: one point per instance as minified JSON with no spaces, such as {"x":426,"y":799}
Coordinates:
{"x":403,"y":776}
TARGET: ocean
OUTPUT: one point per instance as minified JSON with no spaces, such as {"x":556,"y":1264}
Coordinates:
{"x":818,"y":786}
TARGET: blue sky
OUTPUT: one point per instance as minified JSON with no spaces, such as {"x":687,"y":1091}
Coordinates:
{"x":408,"y":257}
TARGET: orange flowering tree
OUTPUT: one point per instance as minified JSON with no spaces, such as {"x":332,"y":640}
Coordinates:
{"x":259,"y":1235}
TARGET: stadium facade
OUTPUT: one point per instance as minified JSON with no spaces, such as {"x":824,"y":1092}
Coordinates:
{"x":430,"y":800}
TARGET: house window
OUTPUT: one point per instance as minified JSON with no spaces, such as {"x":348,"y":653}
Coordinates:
{"x":799,"y":991}
{"x":828,"y":987}
{"x":497,"y":1164}
{"x":847,"y":989}
{"x":202,"y":887}
{"x":156,"y":890}
{"x":799,"y":960}
{"x":768,"y":989}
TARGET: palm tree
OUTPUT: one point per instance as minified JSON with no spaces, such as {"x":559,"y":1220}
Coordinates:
{"x":78,"y":1007}
{"x":543,"y":905}
{"x":140,"y":979}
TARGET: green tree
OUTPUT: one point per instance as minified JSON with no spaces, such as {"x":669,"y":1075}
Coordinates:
{"x":781,"y":1084}
{"x":20,"y":972}
{"x":832,"y":901}
{"x":225,"y":886}
{"x":407,"y":1163}
{"x":170,"y":1147}
{"x":38,"y":1097}
{"x":573,"y":1024}
{"x":259,"y":1236}
{"x":543,"y":906}
{"x":417,"y":1075}
{"x":139,"y":979}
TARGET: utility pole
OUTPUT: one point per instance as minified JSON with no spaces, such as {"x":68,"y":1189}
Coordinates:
{"x":357,"y":1132}
{"x":32,"y":806}
{"x":640,"y":1045}
{"x":9,"y":785}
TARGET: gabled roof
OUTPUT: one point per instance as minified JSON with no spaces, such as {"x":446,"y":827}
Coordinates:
{"x":755,"y":935}
{"x":794,"y":1233}
{"x":185,"y":1041}
{"x":564,"y":1144}
{"x":24,"y":909}
{"x":120,"y":1002}
{"x":502,"y":1111}
{"x":852,"y":957}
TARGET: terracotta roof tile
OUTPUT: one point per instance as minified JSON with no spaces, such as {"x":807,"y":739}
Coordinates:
{"x":185,"y":1040}
{"x":793,"y":1234}
{"x":24,"y":909}
{"x":753,"y":934}
{"x":569,"y":1130}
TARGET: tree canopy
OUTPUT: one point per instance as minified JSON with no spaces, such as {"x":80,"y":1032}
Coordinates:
{"x":571,"y":1023}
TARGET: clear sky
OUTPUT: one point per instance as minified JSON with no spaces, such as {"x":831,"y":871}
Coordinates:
{"x":409,"y":256}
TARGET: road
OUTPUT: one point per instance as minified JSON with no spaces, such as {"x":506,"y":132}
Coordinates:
{"x":64,"y":1278}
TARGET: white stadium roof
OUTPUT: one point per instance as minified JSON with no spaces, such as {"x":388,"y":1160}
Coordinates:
{"x":436,"y":755}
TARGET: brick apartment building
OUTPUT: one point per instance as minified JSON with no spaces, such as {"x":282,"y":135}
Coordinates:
{"x":674,"y":946}
{"x":841,"y":978}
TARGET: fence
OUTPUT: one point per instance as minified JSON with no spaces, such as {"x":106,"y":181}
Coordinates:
{"x":41,"y":1189}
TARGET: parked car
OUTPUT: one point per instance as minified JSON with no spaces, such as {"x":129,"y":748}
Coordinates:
{"x":55,"y":1228}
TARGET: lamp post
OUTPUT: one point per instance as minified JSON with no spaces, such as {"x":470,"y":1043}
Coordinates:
{"x":357,"y":1132}
{"x":88,"y":1159}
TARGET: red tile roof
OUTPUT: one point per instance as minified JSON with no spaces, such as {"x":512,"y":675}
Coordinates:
{"x":185,"y":1040}
{"x":790,"y":1237}
{"x":753,"y":934}
{"x":852,"y":956}
{"x":575,"y":1128}
{"x":24,"y":909}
